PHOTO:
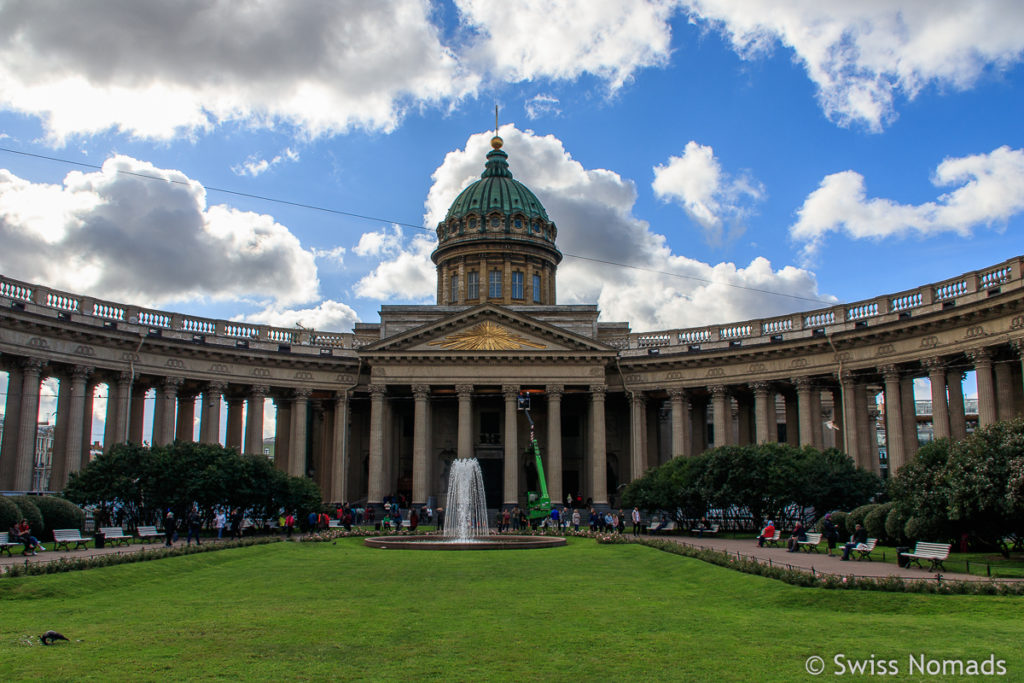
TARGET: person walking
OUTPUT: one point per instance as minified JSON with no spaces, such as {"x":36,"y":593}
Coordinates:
{"x":195,"y":525}
{"x":636,"y":521}
{"x":219,"y":520}
{"x":236,"y":523}
{"x":170,"y":525}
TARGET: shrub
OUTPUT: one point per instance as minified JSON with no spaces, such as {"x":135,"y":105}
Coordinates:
{"x":31,"y":512}
{"x":59,"y":513}
{"x":874,"y":521}
{"x":857,"y":515}
{"x":895,"y":523}
{"x":9,"y":513}
{"x":841,"y":520}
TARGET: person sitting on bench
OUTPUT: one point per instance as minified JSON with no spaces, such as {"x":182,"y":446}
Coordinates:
{"x":767,"y":534}
{"x":860,"y":535}
{"x":799,"y":536}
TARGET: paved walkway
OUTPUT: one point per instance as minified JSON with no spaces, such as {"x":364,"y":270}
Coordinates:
{"x":51,"y":555}
{"x":820,"y":562}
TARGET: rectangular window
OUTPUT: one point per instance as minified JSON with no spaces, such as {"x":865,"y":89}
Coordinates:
{"x":494,"y":289}
{"x":472,"y":285}
{"x":536,"y":289}
{"x":517,"y":285}
{"x":455,"y":288}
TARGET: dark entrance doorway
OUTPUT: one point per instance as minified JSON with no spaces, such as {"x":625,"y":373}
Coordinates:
{"x":493,"y":472}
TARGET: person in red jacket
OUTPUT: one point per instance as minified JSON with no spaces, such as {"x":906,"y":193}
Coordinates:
{"x":767,"y":534}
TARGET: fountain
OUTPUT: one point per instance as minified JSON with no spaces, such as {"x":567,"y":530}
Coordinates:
{"x":465,"y":526}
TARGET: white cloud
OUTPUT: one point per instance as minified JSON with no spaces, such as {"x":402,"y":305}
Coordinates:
{"x":326,"y":316}
{"x":593,"y":211}
{"x":334,"y":256}
{"x":254,"y":165}
{"x":404,"y":269}
{"x":145,"y":68}
{"x":862,"y":55}
{"x":134,"y":232}
{"x":542,"y":105}
{"x":533,"y":39}
{"x":709,"y":195}
{"x":991,"y":190}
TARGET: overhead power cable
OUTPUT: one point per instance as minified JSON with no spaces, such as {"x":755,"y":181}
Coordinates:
{"x":414,"y":226}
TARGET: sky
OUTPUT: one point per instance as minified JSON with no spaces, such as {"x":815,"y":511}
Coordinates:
{"x":705,"y":161}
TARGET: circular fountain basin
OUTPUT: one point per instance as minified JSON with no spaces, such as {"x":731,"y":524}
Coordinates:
{"x":437,"y":542}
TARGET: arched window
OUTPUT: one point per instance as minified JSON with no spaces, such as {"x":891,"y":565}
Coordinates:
{"x":517,"y":284}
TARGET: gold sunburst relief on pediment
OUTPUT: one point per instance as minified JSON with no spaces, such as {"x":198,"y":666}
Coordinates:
{"x":487,"y":336}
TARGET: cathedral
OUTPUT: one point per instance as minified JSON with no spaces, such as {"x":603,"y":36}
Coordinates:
{"x":383,"y":410}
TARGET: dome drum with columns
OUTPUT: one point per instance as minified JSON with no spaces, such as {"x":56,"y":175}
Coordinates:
{"x":496,"y":243}
{"x":383,"y":410}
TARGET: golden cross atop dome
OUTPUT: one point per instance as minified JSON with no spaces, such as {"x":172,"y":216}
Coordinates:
{"x":496,"y":142}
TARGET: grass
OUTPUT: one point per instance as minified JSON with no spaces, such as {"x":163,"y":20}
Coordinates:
{"x":323,"y":611}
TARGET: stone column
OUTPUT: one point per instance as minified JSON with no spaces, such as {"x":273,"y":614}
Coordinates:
{"x":12,"y":427}
{"x":209,"y":418}
{"x":867,"y":434}
{"x":940,"y":409}
{"x":282,"y":432}
{"x":110,"y":419}
{"x":554,"y":441}
{"x":59,"y":438}
{"x":909,"y":408}
{"x":186,"y":428}
{"x":793,"y":437}
{"x":375,"y":495}
{"x":71,"y":460}
{"x":957,"y":419}
{"x":465,"y":439}
{"x":233,"y":435}
{"x":164,"y":414}
{"x":893,"y":419}
{"x":721,"y":413}
{"x":254,"y":419}
{"x":680,"y":446}
{"x":637,"y":447}
{"x":339,"y":459}
{"x":852,"y":434}
{"x":510,"y":392}
{"x":297,"y":448}
{"x":420,"y":417}
{"x":764,"y":396}
{"x":1004,"y":390}
{"x":122,"y":416}
{"x":598,"y":449}
{"x":26,"y":451}
{"x":982,"y":359}
{"x":838,"y":418}
{"x":810,"y":410}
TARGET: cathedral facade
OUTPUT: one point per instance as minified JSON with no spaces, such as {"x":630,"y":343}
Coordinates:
{"x":383,"y":410}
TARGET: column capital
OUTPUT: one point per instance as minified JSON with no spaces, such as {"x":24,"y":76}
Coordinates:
{"x":421,"y":391}
{"x":82,"y":372}
{"x":341,"y":396}
{"x":981,"y":355}
{"x":259,"y":390}
{"x":170,"y":385}
{"x":303,"y":393}
{"x":378,"y":390}
{"x":933,"y":364}
{"x":891,"y":373}
{"x":719,"y":390}
{"x":554,"y":391}
{"x":510,"y":391}
{"x":124,"y":377}
{"x":464,"y":390}
{"x":678,"y":393}
{"x":598,"y":390}
{"x":804,"y":383}
{"x":216,"y":387}
{"x":32,"y":364}
{"x":637,"y":397}
{"x":845,"y":377}
{"x":761,"y":388}
{"x":1018,"y":346}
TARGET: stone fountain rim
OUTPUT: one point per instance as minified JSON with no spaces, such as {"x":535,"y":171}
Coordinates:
{"x":438,"y":542}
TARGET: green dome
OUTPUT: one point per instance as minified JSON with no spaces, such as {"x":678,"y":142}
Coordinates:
{"x":497,"y":191}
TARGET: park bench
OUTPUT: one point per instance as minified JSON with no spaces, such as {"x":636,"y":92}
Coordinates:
{"x":710,"y":531}
{"x":669,"y":526}
{"x":935,"y":553}
{"x":775,"y":539}
{"x":6,"y":543}
{"x":65,"y":537}
{"x":864,"y":550}
{"x":115,"y":534}
{"x":811,"y":544}
{"x":148,"y":533}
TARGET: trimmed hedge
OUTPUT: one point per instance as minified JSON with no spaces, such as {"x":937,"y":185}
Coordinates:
{"x":857,"y":515}
{"x":59,"y":513}
{"x":10,"y":514}
{"x":874,"y":521}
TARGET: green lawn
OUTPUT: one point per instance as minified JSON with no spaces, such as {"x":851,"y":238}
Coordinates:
{"x":323,"y":611}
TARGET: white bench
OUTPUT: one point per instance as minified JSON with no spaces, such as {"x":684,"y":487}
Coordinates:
{"x":811,"y":544}
{"x":864,"y":550}
{"x":65,"y":537}
{"x":668,"y":526}
{"x":115,"y":534}
{"x":935,"y":553}
{"x":774,"y":540}
{"x":6,"y":543}
{"x":700,"y":531}
{"x":148,"y":533}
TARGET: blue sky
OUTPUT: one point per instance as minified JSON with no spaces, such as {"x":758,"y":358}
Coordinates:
{"x":823,"y":152}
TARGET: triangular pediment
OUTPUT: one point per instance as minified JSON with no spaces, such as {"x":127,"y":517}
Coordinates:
{"x":486,"y":329}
